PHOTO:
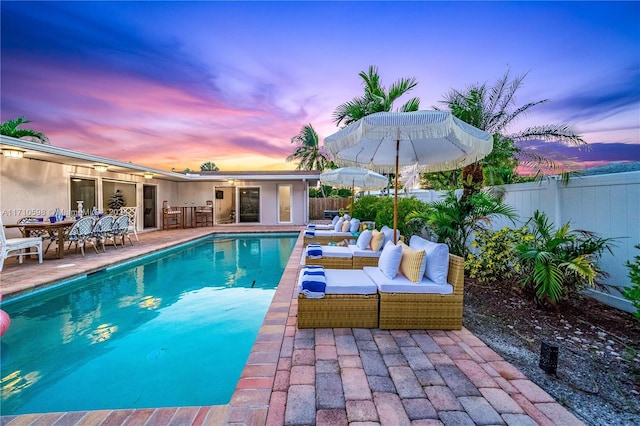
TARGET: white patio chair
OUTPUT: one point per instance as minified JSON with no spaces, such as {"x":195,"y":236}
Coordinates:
{"x":101,"y":231}
{"x":16,"y":246}
{"x":133,"y":223}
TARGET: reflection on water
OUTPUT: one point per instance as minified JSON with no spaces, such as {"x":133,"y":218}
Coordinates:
{"x":118,"y":337}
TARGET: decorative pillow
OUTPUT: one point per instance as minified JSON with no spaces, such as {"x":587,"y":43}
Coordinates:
{"x":355,"y":225}
{"x":388,"y":233}
{"x":338,"y":226}
{"x":377,"y":239}
{"x":413,"y":263}
{"x":437,"y":255}
{"x":346,"y":217}
{"x":364,"y":239}
{"x":335,"y":220}
{"x":346,"y":225}
{"x":390,"y":259}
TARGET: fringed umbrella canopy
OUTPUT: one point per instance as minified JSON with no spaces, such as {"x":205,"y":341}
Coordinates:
{"x":354,"y":177}
{"x":433,"y":141}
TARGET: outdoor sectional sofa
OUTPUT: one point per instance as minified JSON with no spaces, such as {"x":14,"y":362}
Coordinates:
{"x":399,"y":302}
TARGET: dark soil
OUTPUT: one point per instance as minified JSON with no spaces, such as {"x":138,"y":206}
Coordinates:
{"x":598,"y":374}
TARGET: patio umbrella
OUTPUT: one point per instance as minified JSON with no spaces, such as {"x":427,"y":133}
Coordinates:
{"x":351,"y":177}
{"x":433,"y":141}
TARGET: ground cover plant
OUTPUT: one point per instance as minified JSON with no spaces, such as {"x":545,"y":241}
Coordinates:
{"x":633,"y":293}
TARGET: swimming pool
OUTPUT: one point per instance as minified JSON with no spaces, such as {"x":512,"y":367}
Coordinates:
{"x":173,"y":329}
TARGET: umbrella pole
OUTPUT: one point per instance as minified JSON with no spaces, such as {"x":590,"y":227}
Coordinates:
{"x":395,"y":196}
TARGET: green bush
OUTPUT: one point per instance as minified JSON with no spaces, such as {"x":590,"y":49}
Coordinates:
{"x":380,"y":210}
{"x":365,"y":208}
{"x":633,"y":293}
{"x":496,"y":260}
{"x":559,"y":263}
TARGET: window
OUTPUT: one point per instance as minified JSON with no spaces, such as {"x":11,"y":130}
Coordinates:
{"x":284,"y":203}
{"x":83,"y":190}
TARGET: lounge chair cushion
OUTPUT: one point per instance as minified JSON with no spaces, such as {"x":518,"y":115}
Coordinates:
{"x":437,"y":258}
{"x":389,"y":260}
{"x":364,"y":239}
{"x":401,"y":284}
{"x":354,"y":225}
{"x":323,"y":233}
{"x":335,"y":251}
{"x":338,"y":226}
{"x":346,"y":226}
{"x":357,"y":251}
{"x":346,"y":281}
{"x":413,"y":263}
{"x":377,"y":240}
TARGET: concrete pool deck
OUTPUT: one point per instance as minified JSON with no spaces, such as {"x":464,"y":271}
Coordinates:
{"x":322,"y":376}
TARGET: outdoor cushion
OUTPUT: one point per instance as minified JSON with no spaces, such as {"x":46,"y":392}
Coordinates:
{"x":437,"y":255}
{"x":377,"y":240}
{"x":357,"y":251}
{"x":345,"y":281}
{"x":413,"y":263}
{"x":355,"y":225}
{"x":346,"y":217}
{"x":335,"y":220}
{"x":323,"y":233}
{"x":346,"y":225}
{"x":401,"y":284}
{"x":389,"y":260}
{"x":338,"y":227}
{"x":335,"y":251}
{"x":364,"y":239}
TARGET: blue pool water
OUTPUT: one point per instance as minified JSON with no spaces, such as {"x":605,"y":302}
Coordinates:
{"x":173,"y":329}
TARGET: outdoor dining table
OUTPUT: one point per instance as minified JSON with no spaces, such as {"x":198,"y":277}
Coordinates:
{"x":51,"y":227}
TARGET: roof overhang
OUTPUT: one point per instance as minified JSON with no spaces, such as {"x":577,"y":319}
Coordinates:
{"x":53,"y":154}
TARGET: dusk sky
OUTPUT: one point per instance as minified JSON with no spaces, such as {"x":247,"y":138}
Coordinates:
{"x":175,"y":84}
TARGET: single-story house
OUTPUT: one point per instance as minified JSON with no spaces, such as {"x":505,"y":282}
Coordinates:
{"x":36,"y":179}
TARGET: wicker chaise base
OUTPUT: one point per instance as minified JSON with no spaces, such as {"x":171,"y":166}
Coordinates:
{"x":360,"y":262}
{"x":338,"y":311}
{"x":331,"y":262}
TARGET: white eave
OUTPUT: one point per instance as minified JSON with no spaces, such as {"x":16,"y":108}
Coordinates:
{"x":49,"y":153}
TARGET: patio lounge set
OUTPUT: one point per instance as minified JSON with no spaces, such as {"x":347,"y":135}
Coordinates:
{"x":378,"y":284}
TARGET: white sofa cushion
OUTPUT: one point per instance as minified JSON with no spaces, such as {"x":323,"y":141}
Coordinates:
{"x":357,"y":251}
{"x":346,"y":281}
{"x":389,"y":260}
{"x":437,"y":255}
{"x":323,"y":233}
{"x":401,"y":284}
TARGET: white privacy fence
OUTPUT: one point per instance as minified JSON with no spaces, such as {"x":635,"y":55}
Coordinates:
{"x":608,"y":205}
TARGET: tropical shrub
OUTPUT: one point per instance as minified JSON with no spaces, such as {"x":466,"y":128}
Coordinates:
{"x":496,"y":260}
{"x":454,"y":220}
{"x":633,"y":293}
{"x":380,"y":210}
{"x":559,"y":263}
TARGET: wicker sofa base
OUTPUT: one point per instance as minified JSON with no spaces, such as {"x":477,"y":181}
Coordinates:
{"x":360,"y":262}
{"x":403,"y":311}
{"x":338,"y":311}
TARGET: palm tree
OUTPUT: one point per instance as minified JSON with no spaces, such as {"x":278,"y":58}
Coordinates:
{"x":376,"y":98}
{"x":308,"y":153}
{"x":209,"y":166}
{"x":10,"y":128}
{"x":493,"y":110}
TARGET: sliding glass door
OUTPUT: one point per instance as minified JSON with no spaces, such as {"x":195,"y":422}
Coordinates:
{"x":249,"y":205}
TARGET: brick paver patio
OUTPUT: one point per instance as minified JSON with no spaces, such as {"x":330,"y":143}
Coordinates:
{"x":328,"y":376}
